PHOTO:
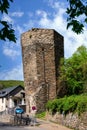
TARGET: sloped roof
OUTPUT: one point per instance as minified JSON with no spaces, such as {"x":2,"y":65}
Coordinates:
{"x":8,"y":91}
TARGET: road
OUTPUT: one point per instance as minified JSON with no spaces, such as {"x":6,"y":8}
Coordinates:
{"x":44,"y":125}
{"x":19,"y":128}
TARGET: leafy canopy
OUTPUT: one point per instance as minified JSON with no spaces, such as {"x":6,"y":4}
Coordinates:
{"x":73,"y":71}
{"x":6,"y":30}
{"x":76,"y":10}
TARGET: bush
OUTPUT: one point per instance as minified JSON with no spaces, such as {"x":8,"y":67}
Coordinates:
{"x":68,"y":104}
{"x":82,"y":105}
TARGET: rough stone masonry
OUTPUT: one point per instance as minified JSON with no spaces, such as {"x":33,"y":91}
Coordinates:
{"x":42,"y":50}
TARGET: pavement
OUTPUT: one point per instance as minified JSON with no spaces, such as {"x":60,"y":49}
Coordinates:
{"x":47,"y":125}
{"x":41,"y":125}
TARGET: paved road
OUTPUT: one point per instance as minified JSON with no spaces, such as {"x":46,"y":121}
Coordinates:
{"x":20,"y":128}
{"x":44,"y":125}
{"x":33,"y":128}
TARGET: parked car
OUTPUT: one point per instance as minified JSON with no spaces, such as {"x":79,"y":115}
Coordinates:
{"x":19,"y":110}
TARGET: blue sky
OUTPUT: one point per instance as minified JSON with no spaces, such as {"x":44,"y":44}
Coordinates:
{"x":27,"y":14}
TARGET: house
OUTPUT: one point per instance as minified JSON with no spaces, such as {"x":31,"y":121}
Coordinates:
{"x":12,"y":97}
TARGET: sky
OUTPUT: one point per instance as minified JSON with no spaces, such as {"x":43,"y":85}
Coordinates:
{"x":27,"y":14}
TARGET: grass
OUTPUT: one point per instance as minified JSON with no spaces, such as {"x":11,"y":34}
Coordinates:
{"x":41,"y":115}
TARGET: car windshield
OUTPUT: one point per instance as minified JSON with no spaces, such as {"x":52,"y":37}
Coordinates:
{"x":18,"y":109}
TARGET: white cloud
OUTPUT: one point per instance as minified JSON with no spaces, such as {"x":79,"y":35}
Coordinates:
{"x":10,"y":52}
{"x":58,"y":22}
{"x":7,"y":18}
{"x":55,"y":4}
{"x":17,"y":14}
{"x":13,"y":74}
{"x":41,"y":13}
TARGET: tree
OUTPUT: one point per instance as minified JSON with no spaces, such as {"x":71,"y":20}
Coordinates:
{"x":76,"y":10}
{"x":73,"y":71}
{"x":6,"y":30}
{"x":1,"y":86}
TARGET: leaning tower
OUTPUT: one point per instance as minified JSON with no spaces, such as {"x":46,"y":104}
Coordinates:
{"x":41,"y":52}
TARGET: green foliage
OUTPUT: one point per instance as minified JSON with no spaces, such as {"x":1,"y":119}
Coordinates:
{"x":4,"y":5}
{"x":76,"y":26}
{"x":68,"y":104}
{"x":6,"y":31}
{"x":76,"y":9}
{"x":41,"y":115}
{"x":10,"y":83}
{"x":73,"y":71}
{"x":48,"y":105}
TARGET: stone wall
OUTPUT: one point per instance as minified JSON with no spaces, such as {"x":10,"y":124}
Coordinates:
{"x":5,"y":118}
{"x":70,"y":120}
{"x":41,"y":50}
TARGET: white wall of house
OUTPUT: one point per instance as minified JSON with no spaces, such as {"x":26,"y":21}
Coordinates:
{"x":2,"y":104}
{"x":11,"y":103}
{"x":23,"y":101}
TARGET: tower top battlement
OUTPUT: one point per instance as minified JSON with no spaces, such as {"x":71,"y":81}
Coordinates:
{"x":35,"y":35}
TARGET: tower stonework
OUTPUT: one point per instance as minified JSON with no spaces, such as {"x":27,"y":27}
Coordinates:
{"x":41,"y":52}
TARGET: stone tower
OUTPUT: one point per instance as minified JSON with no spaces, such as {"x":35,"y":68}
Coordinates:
{"x":41,"y":52}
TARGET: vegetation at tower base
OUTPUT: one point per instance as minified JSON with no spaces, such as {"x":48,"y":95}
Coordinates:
{"x":74,"y":103}
{"x":73,"y":73}
{"x":41,"y":115}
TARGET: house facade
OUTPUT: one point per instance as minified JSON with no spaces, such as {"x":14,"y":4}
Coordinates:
{"x":12,"y":97}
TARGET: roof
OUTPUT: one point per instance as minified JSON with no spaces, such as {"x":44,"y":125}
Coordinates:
{"x":6,"y":91}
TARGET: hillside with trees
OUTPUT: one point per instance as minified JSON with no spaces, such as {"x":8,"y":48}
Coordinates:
{"x":10,"y":83}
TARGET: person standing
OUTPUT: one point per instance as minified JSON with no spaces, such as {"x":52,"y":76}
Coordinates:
{"x":33,"y":114}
